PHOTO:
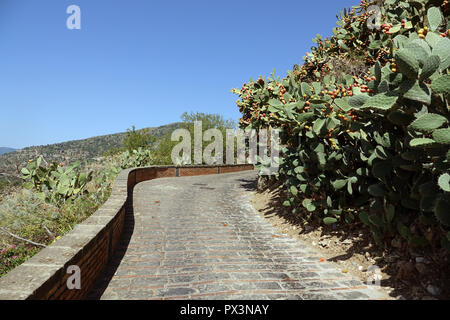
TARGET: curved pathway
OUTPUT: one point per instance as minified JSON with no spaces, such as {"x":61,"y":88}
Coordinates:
{"x":200,"y":238}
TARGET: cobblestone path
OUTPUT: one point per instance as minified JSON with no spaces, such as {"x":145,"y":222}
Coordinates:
{"x":200,"y":238}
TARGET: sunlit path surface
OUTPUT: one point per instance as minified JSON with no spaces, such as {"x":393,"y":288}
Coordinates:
{"x":200,"y":238}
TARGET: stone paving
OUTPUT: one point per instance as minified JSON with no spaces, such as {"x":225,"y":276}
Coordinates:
{"x":200,"y":238}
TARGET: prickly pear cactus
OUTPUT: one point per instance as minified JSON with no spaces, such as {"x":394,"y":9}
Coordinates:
{"x":55,"y":183}
{"x":365,"y":122}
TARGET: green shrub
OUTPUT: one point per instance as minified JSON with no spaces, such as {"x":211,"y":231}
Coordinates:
{"x":163,"y":151}
{"x":136,"y":139}
{"x":136,"y":158}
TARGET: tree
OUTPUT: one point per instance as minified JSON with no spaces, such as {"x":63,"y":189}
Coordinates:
{"x":209,"y":121}
{"x":165,"y":145}
{"x":163,"y":150}
{"x":136,"y":139}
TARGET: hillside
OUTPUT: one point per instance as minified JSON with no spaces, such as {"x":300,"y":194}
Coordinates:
{"x":84,"y":150}
{"x":4,"y":150}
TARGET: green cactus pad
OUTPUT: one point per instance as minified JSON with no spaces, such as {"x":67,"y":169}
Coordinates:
{"x":382,"y":101}
{"x":309,"y":205}
{"x":319,"y":124}
{"x":383,"y":86}
{"x":428,"y":203}
{"x":276,"y":103}
{"x":357,"y":101}
{"x":442,"y":212}
{"x":400,"y":118}
{"x":302,"y":117}
{"x":442,"y":49}
{"x":442,"y":136}
{"x":416,"y":91}
{"x":377,"y":190}
{"x":306,"y":89}
{"x":364,"y":217}
{"x":444,"y":182}
{"x":329,"y":220}
{"x":339,"y":184}
{"x":419,"y":49}
{"x":430,"y":66}
{"x":407,"y":63}
{"x":432,"y":38}
{"x":434,"y":18}
{"x":428,"y":122}
{"x":422,"y":143}
{"x":441,"y":85}
{"x":400,"y":40}
{"x":376,"y":220}
{"x":343,"y":104}
{"x":427,"y":189}
{"x":293,"y":190}
{"x":382,"y":169}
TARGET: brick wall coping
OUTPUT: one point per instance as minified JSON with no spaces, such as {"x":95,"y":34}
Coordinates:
{"x":91,"y":244}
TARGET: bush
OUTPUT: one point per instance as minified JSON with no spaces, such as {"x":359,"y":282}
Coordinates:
{"x":137,"y":139}
{"x":370,"y":145}
{"x":162,"y":154}
{"x":136,"y":158}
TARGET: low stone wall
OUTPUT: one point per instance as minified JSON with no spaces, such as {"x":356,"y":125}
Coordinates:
{"x":91,"y":244}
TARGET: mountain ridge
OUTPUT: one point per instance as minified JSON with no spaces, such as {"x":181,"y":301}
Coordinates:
{"x":4,"y":150}
{"x":84,"y":150}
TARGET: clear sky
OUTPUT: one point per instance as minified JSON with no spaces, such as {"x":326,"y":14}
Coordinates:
{"x":141,"y":62}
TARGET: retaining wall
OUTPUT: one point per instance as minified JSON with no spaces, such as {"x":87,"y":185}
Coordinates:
{"x":91,"y":244}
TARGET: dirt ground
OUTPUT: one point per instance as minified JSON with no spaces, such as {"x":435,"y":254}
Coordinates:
{"x":405,"y":275}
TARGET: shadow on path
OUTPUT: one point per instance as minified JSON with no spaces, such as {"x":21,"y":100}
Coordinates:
{"x":249,"y":184}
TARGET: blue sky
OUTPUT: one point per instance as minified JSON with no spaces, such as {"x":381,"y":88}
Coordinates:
{"x":141,"y":62}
